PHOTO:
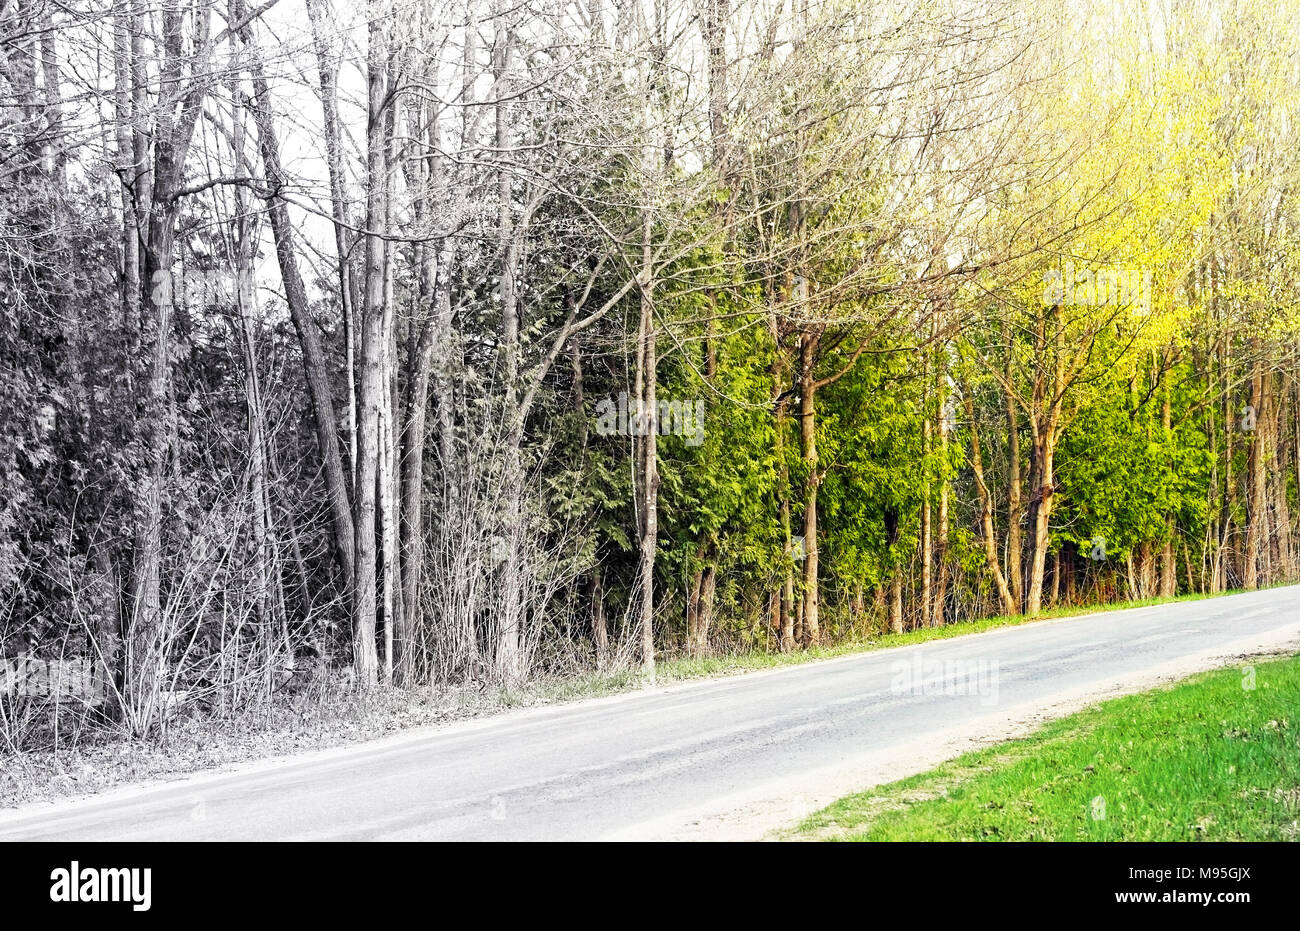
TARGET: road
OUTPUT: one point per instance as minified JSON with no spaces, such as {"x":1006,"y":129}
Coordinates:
{"x":726,"y":758}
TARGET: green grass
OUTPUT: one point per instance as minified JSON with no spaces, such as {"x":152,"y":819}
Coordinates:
{"x":683,"y":668}
{"x":1207,"y":759}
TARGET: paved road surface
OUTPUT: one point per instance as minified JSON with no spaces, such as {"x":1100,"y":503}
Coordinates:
{"x":723,"y":758}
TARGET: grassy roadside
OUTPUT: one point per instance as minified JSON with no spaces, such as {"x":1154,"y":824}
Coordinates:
{"x":1216,"y":757}
{"x":686,"y":668}
{"x":337,"y":718}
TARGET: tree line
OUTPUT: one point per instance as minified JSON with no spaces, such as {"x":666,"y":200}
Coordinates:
{"x":444,"y":342}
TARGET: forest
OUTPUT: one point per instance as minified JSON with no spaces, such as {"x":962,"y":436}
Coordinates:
{"x":417,"y":343}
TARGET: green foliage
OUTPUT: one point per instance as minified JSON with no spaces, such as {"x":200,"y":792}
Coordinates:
{"x":1123,"y":478}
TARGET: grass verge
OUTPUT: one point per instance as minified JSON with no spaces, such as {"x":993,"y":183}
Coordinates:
{"x":684,"y":668}
{"x":1216,"y":757}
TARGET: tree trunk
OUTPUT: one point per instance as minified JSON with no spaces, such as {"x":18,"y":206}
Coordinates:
{"x":1040,"y":514}
{"x":1168,"y":556}
{"x":808,"y":441}
{"x":159,"y":188}
{"x":926,"y":543}
{"x":1015,"y":548}
{"x":315,"y":368}
{"x":370,"y":396}
{"x":1009,"y":604}
{"x":938,"y":618}
{"x":508,"y":657}
{"x":1282,"y":557}
{"x":896,"y":600}
{"x":649,"y":456}
{"x":599,"y":626}
{"x":704,"y":618}
{"x":328,"y":72}
{"x":785,"y":598}
{"x":1257,"y":516}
